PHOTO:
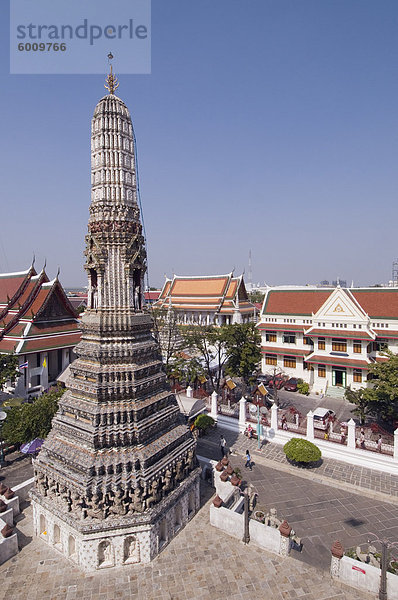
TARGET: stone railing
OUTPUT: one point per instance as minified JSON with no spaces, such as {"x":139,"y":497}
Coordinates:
{"x":341,"y":446}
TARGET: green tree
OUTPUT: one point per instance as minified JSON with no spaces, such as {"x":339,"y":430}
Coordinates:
{"x":209,"y":344}
{"x":8,"y":369}
{"x":256,"y":296}
{"x":29,"y":421}
{"x":167,"y":333}
{"x":242,"y":344}
{"x":359,"y":398}
{"x":186,"y":370}
{"x":382,"y":399}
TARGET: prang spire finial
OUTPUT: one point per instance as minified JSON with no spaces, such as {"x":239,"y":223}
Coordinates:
{"x":111,"y":80}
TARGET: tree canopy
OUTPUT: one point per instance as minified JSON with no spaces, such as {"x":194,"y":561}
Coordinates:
{"x":381,"y":400}
{"x":209,"y":344}
{"x":242,"y":344}
{"x":8,"y":369}
{"x":29,"y":421}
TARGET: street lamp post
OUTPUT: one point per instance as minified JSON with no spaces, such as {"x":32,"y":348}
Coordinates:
{"x":3,"y":416}
{"x":385,"y":545}
{"x":246,"y":534}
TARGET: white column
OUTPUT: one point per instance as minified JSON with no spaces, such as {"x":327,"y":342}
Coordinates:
{"x":310,"y":426}
{"x":351,"y":434}
{"x":189,"y":392}
{"x":396,"y":444}
{"x":274,"y":417}
{"x":213,"y":412}
{"x":242,"y":414}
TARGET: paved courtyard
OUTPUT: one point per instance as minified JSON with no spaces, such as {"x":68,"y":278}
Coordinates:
{"x":201,"y":562}
{"x":335,"y":501}
{"x":319,"y":504}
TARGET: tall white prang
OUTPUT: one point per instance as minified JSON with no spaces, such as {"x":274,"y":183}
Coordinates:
{"x":117,"y":476}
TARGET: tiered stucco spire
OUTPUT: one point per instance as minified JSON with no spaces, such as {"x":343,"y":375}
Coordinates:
{"x":118,"y":460}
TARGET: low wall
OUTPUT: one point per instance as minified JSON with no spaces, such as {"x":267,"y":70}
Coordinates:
{"x":363,"y":576}
{"x":22,"y":490}
{"x":353,"y":456}
{"x":231,"y":519}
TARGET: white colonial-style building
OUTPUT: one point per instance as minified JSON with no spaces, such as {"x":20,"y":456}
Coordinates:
{"x":328,"y":337}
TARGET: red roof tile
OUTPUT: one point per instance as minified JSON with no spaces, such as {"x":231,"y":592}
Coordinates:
{"x":280,"y":327}
{"x":378,"y":302}
{"x":386,"y":333}
{"x":281,"y":350}
{"x":339,"y":333}
{"x":338,"y":361}
{"x":295,"y":302}
{"x":9,"y":285}
{"x":49,"y":343}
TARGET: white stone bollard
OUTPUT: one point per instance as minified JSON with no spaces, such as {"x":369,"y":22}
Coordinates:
{"x":274,"y":417}
{"x":310,"y":425}
{"x":351,"y":434}
{"x":242,"y":414}
{"x":396,"y":444}
{"x":214,"y":405}
{"x":189,"y":392}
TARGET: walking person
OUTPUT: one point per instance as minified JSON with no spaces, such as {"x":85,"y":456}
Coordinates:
{"x":223,"y":446}
{"x":248,"y":460}
{"x":379,"y":443}
{"x":362,"y":439}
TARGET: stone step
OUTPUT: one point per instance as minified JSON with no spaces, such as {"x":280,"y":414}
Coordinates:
{"x":335,"y":392}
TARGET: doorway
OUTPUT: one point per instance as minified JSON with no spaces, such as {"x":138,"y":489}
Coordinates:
{"x":339,"y":377}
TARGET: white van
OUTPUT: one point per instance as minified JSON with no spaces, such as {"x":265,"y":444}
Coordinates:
{"x":322,"y":416}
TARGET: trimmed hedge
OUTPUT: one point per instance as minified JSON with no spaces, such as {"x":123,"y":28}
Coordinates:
{"x":301,"y":451}
{"x":203,"y":422}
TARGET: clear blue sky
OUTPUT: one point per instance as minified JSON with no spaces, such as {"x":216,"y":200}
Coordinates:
{"x":265,"y":125}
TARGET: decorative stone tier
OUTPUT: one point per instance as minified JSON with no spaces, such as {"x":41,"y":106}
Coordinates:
{"x":94,"y":544}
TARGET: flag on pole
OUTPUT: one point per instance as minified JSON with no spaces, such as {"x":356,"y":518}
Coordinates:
{"x":44,"y":363}
{"x":24,"y":365}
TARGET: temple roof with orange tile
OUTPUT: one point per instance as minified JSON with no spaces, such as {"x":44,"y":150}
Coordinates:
{"x":217,"y":293}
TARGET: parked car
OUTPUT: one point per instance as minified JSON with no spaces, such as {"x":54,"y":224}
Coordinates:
{"x":291,"y":385}
{"x":322,"y":417}
{"x":264,"y":379}
{"x":278,"y":381}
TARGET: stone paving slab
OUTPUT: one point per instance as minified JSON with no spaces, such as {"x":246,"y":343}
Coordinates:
{"x":374,"y":484}
{"x":319,"y":513}
{"x":200,"y":563}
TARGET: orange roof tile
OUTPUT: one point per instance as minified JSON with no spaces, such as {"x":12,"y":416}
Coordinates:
{"x":214,"y":286}
{"x":165,"y":290}
{"x":232,"y":288}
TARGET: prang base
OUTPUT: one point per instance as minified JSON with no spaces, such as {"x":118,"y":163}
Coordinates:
{"x":125,"y":541}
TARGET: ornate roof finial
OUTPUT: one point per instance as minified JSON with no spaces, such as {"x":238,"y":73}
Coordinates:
{"x":111,"y":81}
